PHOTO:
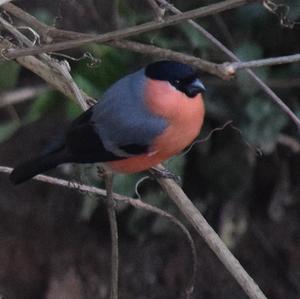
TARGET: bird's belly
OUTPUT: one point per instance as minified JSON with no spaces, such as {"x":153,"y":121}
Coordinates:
{"x":134,"y":164}
{"x":183,"y":128}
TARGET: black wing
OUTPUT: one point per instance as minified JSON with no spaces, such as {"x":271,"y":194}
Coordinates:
{"x":84,"y":144}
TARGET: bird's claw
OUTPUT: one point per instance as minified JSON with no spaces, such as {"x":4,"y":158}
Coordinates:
{"x":167,"y":174}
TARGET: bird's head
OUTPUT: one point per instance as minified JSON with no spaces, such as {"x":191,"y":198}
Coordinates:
{"x":179,"y":75}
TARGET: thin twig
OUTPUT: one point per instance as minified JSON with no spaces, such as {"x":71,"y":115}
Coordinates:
{"x":108,"y":178}
{"x":234,"y":66}
{"x":198,"y":63}
{"x":282,"y":11}
{"x":131,"y":31}
{"x":4,"y":1}
{"x":29,"y":19}
{"x":212,"y":69}
{"x":224,"y":49}
{"x":191,"y":285}
{"x":275,"y":98}
{"x":52,"y":34}
{"x":61,"y":67}
{"x":292,"y":143}
{"x":284,"y":83}
{"x":64,"y":68}
{"x":44,"y":71}
{"x":211,"y":237}
{"x":158,"y":11}
{"x":136,"y":203}
{"x":21,"y":94}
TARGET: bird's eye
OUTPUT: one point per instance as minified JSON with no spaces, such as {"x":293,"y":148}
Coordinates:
{"x":177,"y":81}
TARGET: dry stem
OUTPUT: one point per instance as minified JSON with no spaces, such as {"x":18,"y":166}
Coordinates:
{"x":136,"y":203}
{"x":22,"y":94}
{"x":216,"y":69}
{"x":193,"y":215}
{"x":4,"y":1}
{"x":158,"y":11}
{"x":108,"y":178}
{"x":131,"y":31}
{"x":234,"y":66}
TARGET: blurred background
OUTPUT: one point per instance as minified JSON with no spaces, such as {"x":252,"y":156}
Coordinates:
{"x":245,"y":178}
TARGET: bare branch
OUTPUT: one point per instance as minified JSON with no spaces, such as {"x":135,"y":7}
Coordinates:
{"x":211,"y":237}
{"x":131,"y":31}
{"x":234,"y":66}
{"x":22,"y":94}
{"x":64,"y":68}
{"x":200,"y":64}
{"x":108,"y":178}
{"x":4,"y":1}
{"x":158,"y":11}
{"x":136,"y":203}
{"x":60,"y":67}
{"x":282,"y":11}
{"x":28,"y":19}
{"x":51,"y":33}
{"x":290,"y":142}
{"x":44,"y":71}
{"x":284,"y":83}
{"x":225,"y":70}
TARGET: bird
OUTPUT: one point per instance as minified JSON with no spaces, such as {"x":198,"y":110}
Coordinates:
{"x":142,"y":119}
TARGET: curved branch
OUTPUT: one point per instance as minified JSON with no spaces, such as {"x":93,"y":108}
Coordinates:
{"x":136,"y":203}
{"x":212,"y":239}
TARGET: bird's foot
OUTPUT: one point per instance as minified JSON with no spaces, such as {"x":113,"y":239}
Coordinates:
{"x":100,"y":172}
{"x":91,"y":102}
{"x":167,"y":174}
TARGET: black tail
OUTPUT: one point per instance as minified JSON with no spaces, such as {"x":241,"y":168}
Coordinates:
{"x":31,"y":168}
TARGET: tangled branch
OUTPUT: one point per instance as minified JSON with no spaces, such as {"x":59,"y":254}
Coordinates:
{"x":136,"y":203}
{"x":129,"y":32}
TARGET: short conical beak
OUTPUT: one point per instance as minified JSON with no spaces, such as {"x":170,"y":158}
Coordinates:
{"x":197,"y":86}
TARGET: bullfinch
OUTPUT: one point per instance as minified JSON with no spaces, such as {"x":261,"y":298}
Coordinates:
{"x":143,"y":119}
